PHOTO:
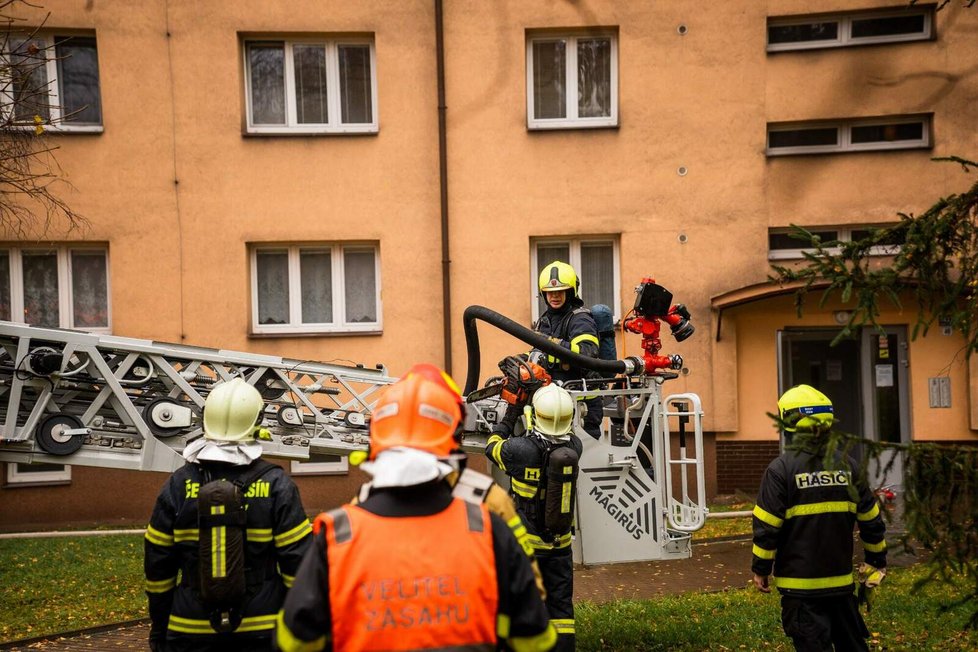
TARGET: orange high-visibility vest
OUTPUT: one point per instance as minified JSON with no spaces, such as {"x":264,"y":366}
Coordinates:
{"x":413,"y":582}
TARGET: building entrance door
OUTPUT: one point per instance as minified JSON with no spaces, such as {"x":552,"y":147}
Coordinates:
{"x":807,"y":358}
{"x":886,"y":396}
{"x":865,"y":377}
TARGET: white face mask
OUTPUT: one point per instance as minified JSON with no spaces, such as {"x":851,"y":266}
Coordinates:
{"x":405,"y":467}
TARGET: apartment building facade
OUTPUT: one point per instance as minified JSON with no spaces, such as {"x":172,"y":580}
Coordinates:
{"x":274,"y":178}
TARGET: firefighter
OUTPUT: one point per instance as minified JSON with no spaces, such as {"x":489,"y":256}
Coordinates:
{"x":803,"y":531}
{"x":568,"y":323}
{"x":413,"y":567}
{"x":471,"y":485}
{"x":277,"y":534}
{"x":542,"y":467}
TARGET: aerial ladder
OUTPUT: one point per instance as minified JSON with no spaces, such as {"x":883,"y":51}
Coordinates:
{"x":69,"y":397}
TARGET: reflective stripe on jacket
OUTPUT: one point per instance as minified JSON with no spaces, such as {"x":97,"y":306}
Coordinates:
{"x":804,"y":521}
{"x":277,"y":535}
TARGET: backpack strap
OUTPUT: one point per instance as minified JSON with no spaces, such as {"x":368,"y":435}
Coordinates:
{"x":472,"y":486}
{"x":257,"y":469}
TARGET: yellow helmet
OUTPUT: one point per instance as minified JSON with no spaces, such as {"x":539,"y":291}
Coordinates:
{"x":805,"y":408}
{"x":553,"y":411}
{"x":231,"y":411}
{"x":559,"y":276}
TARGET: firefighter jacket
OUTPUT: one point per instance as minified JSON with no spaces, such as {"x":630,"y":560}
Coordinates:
{"x":803,"y":524}
{"x":524,"y":459}
{"x":278,"y":533}
{"x":480,"y":488}
{"x":574,"y":328}
{"x":413,"y":568}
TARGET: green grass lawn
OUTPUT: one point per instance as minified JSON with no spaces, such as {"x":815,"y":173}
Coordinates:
{"x":748,"y":620}
{"x":62,"y":584}
{"x":726,"y":527}
{"x":67,"y":583}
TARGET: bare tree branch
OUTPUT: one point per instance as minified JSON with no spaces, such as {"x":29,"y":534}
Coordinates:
{"x":30,"y":177}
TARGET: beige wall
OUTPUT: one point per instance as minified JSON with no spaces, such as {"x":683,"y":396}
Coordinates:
{"x":173,"y":112}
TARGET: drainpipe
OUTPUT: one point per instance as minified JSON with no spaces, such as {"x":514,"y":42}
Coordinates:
{"x":446,"y":284}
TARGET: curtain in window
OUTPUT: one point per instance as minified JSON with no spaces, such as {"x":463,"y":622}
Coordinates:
{"x":78,"y":80}
{"x":41,"y":306}
{"x":89,"y":289}
{"x":355,"y":91}
{"x":273,"y":287}
{"x":360,"y":274}
{"x":266,"y":63}
{"x":598,"y":275}
{"x":593,"y":78}
{"x":316,"y":276}
{"x":549,"y":90}
{"x":29,"y":80}
{"x":310,"y":84}
{"x":5,"y":285}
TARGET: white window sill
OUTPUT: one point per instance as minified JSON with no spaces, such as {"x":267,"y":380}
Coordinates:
{"x":307,"y":332}
{"x":836,"y":149}
{"x":538,"y":125}
{"x":64,"y":129}
{"x":367,"y":130}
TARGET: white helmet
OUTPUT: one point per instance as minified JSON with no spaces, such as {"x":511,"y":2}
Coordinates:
{"x":553,"y":412}
{"x":231,"y":412}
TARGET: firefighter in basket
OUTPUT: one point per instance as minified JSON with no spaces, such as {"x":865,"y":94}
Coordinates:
{"x":542,"y":467}
{"x":569,"y":324}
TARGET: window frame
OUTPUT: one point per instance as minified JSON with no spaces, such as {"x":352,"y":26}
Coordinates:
{"x":574,"y":247}
{"x":333,"y":98}
{"x":66,"y":310}
{"x":844,"y":235}
{"x":15,"y":477}
{"x":341,"y":467}
{"x":845,"y":21}
{"x":844,"y":129}
{"x":56,"y":122}
{"x":295,"y":325}
{"x":570,"y":66}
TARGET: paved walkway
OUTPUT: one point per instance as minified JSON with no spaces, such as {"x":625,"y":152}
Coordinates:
{"x":714,"y":566}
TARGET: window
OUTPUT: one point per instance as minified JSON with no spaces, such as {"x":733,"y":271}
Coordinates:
{"x":316,"y":288}
{"x":59,"y":287}
{"x":841,"y":30}
{"x":594,"y":259}
{"x":323,"y":465}
{"x":895,"y":132}
{"x":571,"y":80}
{"x":311,"y":86}
{"x":783,"y":245}
{"x":53,"y":79}
{"x":40,"y":473}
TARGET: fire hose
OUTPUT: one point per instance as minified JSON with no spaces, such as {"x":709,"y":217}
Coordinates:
{"x":630,"y":366}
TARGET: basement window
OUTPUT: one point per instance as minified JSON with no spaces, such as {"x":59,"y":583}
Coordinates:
{"x":37,"y":474}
